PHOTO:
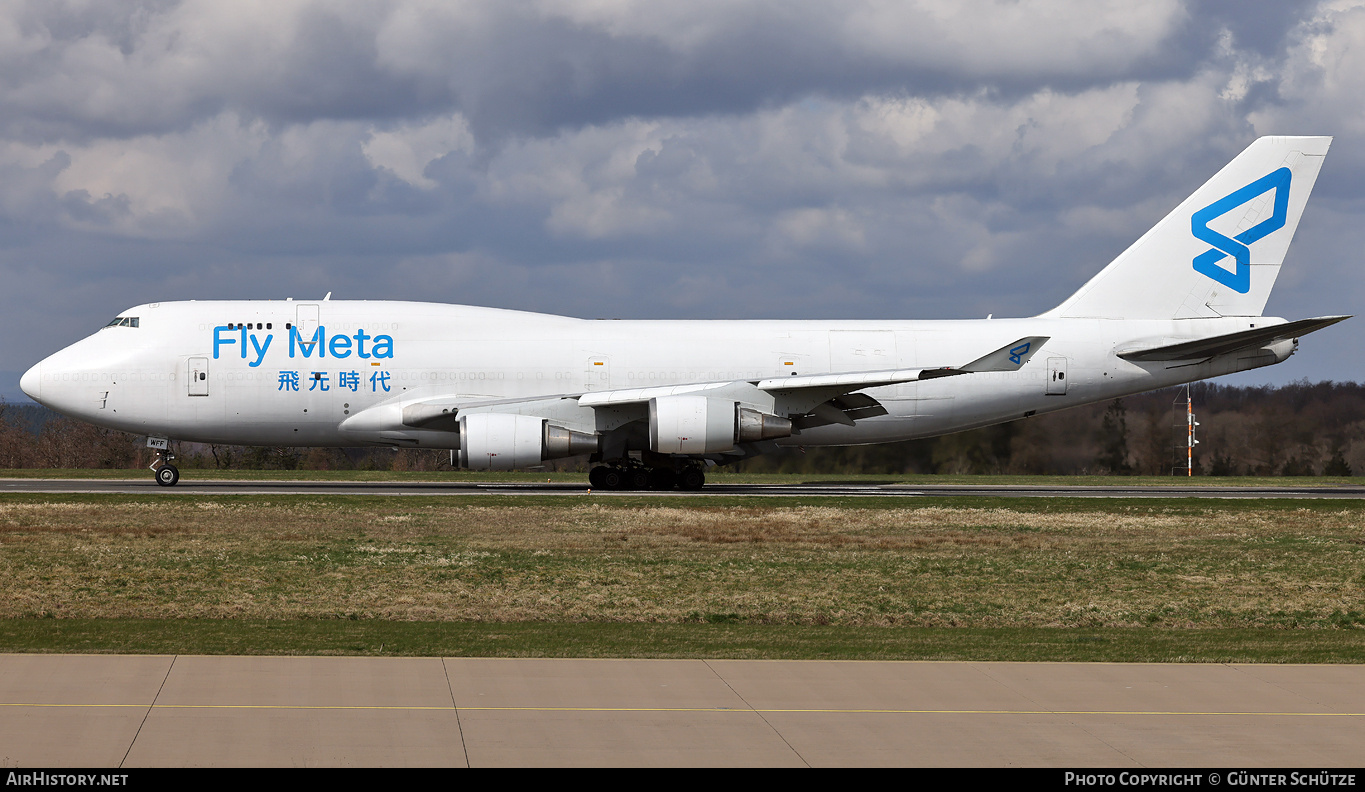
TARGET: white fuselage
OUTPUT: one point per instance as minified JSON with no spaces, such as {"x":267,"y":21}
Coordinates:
{"x":190,"y":371}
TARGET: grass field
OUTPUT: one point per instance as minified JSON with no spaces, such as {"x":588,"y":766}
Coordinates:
{"x":989,"y":578}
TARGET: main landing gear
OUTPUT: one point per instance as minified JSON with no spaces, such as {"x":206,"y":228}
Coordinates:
{"x":634,"y":476}
{"x":166,"y":474}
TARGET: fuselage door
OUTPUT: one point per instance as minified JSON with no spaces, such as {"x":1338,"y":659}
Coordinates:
{"x":198,"y":376}
{"x":307,"y":324}
{"x":1056,"y":376}
{"x":597,"y":374}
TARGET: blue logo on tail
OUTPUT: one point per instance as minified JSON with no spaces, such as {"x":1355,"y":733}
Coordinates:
{"x":1017,"y":352}
{"x":1207,"y":263}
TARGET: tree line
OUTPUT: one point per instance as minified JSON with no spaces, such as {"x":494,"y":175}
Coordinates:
{"x":1299,"y":429}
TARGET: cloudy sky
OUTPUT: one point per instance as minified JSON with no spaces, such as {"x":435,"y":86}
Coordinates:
{"x":616,"y":158}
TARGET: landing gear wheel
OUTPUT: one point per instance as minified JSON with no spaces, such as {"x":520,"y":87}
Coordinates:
{"x":691,"y":478}
{"x":167,"y":475}
{"x":639,"y":478}
{"x":596,"y":476}
{"x":612,"y":478}
{"x":662,"y":479}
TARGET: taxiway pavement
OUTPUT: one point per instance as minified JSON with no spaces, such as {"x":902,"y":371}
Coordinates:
{"x":175,"y":711}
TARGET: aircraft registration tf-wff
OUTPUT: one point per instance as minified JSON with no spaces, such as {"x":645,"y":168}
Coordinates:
{"x":656,"y":402}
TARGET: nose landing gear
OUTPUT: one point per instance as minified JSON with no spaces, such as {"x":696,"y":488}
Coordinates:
{"x":166,"y":474}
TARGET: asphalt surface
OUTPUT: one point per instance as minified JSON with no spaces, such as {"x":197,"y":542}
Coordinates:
{"x":101,"y":711}
{"x":146,"y":486}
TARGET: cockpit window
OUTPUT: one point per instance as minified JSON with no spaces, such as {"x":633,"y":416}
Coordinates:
{"x":123,"y":321}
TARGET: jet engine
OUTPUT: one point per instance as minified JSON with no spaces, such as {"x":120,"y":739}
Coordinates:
{"x":501,"y":441}
{"x":708,"y":425}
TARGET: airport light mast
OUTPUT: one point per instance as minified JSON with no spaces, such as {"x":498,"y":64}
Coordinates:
{"x":1190,"y":440}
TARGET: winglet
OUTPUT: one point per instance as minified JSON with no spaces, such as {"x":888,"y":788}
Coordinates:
{"x":1009,"y":357}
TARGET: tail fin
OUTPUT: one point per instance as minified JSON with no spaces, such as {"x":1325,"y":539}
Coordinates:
{"x":1219,"y":252}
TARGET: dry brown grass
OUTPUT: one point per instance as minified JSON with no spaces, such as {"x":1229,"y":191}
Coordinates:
{"x":445,"y":560}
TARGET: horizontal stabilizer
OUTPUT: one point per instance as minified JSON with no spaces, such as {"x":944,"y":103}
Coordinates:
{"x":1232,"y":342}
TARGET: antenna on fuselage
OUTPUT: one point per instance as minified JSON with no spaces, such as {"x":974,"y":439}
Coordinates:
{"x":328,"y":297}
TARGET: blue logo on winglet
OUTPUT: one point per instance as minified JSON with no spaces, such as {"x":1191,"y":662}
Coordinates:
{"x":1207,"y":263}
{"x":1017,"y":352}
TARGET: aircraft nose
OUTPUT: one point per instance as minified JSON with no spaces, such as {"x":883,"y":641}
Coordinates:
{"x":31,"y":382}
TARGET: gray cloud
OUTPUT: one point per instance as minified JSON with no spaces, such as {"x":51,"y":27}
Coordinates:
{"x":932,"y":159}
{"x":534,"y":67}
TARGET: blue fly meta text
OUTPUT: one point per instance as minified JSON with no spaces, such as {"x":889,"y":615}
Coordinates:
{"x":362,"y":344}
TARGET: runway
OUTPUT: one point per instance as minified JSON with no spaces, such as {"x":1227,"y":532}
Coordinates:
{"x":146,"y":486}
{"x":173,"y":711}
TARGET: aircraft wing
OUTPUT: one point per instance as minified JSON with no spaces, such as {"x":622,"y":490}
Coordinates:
{"x":830,"y":397}
{"x":1231,"y":342}
{"x":1008,"y":358}
{"x":823,"y":398}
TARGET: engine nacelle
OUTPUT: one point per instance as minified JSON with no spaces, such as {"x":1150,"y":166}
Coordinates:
{"x":502,"y":441}
{"x":708,"y":425}
{"x":752,"y":426}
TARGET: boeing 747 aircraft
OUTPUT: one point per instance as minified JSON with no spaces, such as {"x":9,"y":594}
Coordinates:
{"x":658,"y":402}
